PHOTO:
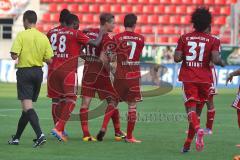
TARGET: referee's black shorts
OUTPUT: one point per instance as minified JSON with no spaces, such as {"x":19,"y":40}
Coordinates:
{"x":29,"y":82}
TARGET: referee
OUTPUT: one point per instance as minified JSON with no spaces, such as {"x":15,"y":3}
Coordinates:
{"x":32,"y":48}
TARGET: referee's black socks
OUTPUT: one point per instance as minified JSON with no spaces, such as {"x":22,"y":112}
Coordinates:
{"x":22,"y":123}
{"x":34,"y":121}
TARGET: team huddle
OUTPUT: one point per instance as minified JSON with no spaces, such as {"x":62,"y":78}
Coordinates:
{"x":102,"y":54}
{"x":112,"y":70}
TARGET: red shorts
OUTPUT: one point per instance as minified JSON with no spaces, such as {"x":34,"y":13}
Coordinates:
{"x":62,"y":84}
{"x":92,"y":83}
{"x":195,"y":92}
{"x":128,"y":90}
{"x":236,"y":102}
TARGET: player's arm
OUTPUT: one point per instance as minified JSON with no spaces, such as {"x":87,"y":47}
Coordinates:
{"x":97,"y":41}
{"x":16,"y":47}
{"x":217,"y":60}
{"x":178,"y":54}
{"x":231,"y":75}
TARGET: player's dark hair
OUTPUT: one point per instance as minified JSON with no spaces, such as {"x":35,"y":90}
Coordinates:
{"x":130,"y":20}
{"x":201,"y":19}
{"x":106,"y":17}
{"x":63,"y":15}
{"x":71,"y":18}
{"x":31,"y":16}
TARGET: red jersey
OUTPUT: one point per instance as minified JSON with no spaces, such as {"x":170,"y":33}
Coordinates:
{"x":197,"y":48}
{"x":52,"y":36}
{"x":68,"y":48}
{"x":92,"y":63}
{"x":130,"y":47}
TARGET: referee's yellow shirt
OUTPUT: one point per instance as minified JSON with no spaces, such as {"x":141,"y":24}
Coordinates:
{"x":32,"y":48}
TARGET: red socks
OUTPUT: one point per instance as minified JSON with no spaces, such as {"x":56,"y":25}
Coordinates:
{"x":84,"y":121}
{"x":108,"y":114}
{"x":132,"y":116}
{"x":210,"y":118}
{"x":116,"y":120}
{"x":65,"y":114}
{"x":54,"y":112}
{"x":191,"y":134}
{"x":193,"y":120}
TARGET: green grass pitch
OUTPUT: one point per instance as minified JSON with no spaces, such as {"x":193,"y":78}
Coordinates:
{"x":162,"y":124}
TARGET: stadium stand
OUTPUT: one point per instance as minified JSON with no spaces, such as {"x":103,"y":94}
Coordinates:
{"x":161,"y":21}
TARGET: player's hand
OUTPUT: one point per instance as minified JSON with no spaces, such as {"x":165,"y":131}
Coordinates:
{"x":229,"y":78}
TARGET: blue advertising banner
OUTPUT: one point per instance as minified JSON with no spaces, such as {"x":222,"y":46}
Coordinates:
{"x":167,"y":73}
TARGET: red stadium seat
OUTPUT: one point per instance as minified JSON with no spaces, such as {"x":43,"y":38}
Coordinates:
{"x":159,"y":9}
{"x":162,"y":39}
{"x":96,"y":19}
{"x":132,"y":1}
{"x":62,"y":6}
{"x":221,"y":20}
{"x":153,"y":1}
{"x":198,"y":2}
{"x":164,"y":19}
{"x":111,"y":1}
{"x":99,"y":1}
{"x":126,"y":8}
{"x":208,"y":2}
{"x":138,"y":30}
{"x":47,"y":27}
{"x":89,"y":1}
{"x":220,"y":2}
{"x":105,"y":8}
{"x":122,"y":1}
{"x":173,"y":39}
{"x":146,"y":30}
{"x":176,"y":1}
{"x":119,"y":18}
{"x":181,"y":9}
{"x":73,"y":8}
{"x":153,"y":19}
{"x":116,"y":30}
{"x":84,"y":8}
{"x":225,"y":40}
{"x":94,"y":8}
{"x":69,"y":1}
{"x":215,"y":10}
{"x":150,"y":39}
{"x":88,"y":18}
{"x":165,"y":1}
{"x":226,"y":10}
{"x":170,"y":9}
{"x":117,"y":8}
{"x":215,"y":30}
{"x":80,"y":17}
{"x":186,"y":2}
{"x":137,"y":9}
{"x":159,"y":30}
{"x":46,"y":17}
{"x":52,"y":7}
{"x":55,"y":17}
{"x":143,"y":1}
{"x":190,"y":9}
{"x":169,"y":30}
{"x":185,"y":20}
{"x":57,"y":1}
{"x":79,"y":1}
{"x":143,"y":19}
{"x":175,"y":19}
{"x":148,"y":9}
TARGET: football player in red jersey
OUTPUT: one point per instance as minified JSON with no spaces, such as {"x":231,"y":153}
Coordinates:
{"x":52,"y":35}
{"x":196,"y":50}
{"x":63,"y":79}
{"x":96,"y":78}
{"x":127,"y":74}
